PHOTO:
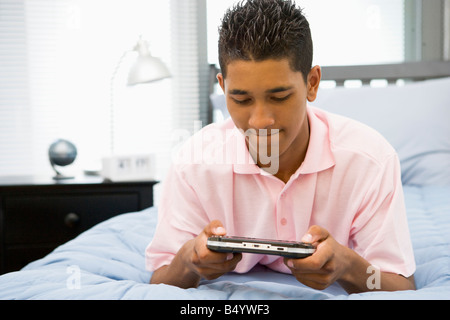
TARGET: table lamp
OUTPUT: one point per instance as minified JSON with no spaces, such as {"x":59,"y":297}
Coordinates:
{"x":145,"y":69}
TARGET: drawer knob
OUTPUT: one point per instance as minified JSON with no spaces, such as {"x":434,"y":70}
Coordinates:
{"x":72,"y":220}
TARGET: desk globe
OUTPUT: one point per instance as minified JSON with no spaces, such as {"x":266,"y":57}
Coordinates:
{"x":61,"y":153}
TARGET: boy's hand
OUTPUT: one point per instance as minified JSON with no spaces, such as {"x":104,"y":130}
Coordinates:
{"x":206,"y":263}
{"x":195,"y":261}
{"x":325,"y":266}
{"x":334,"y":262}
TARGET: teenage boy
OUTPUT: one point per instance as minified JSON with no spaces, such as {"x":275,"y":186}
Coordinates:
{"x":331,"y":181}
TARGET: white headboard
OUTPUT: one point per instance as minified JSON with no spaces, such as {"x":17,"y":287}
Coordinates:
{"x":413,"y":71}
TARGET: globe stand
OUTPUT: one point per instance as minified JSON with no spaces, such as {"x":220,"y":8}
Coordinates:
{"x":59,"y":176}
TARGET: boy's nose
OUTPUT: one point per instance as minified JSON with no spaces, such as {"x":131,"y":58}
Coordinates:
{"x":261,"y":118}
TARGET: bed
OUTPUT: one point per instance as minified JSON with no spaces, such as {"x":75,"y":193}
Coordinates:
{"x":107,"y":261}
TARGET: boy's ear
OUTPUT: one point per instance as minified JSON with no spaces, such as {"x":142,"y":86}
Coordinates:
{"x":312,"y":86}
{"x":221,"y":81}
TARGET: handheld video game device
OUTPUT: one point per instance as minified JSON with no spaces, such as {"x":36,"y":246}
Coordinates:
{"x":288,"y":249}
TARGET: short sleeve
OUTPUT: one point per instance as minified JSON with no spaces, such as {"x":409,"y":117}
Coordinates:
{"x":180,"y":218}
{"x":380,"y":232}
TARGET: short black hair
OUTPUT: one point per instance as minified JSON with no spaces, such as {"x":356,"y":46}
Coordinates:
{"x":266,"y":29}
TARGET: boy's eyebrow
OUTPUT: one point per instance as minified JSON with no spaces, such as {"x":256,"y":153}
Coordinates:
{"x":279,"y":89}
{"x":237,"y":92}
{"x":274,"y":90}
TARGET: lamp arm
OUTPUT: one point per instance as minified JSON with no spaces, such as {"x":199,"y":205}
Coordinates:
{"x":111,"y":101}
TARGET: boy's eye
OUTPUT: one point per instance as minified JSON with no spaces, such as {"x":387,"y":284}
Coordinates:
{"x":244,"y":101}
{"x":280,"y":99}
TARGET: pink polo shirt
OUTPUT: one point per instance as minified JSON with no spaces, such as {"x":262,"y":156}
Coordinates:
{"x":349,"y":184}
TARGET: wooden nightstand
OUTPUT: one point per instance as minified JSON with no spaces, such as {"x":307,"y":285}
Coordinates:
{"x":37,"y":215}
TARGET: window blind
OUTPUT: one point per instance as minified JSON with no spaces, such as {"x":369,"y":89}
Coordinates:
{"x":64,"y":63}
{"x":15,"y":120}
{"x":190,"y":63}
{"x":57,"y":60}
{"x":354,"y":32}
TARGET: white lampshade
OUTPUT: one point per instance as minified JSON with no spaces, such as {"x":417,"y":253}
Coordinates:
{"x":146,"y":68}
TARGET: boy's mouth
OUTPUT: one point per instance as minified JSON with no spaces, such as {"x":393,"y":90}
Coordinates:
{"x":263,"y":132}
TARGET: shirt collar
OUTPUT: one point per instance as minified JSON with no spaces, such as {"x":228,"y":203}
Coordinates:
{"x":319,"y":156}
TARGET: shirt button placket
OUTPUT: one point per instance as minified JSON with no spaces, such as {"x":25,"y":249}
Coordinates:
{"x":282,"y":220}
{"x":286,"y":229}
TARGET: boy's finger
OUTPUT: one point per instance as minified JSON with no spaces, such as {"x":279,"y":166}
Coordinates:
{"x":215,"y":228}
{"x":315,"y":234}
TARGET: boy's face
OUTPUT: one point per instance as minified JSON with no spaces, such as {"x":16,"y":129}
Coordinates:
{"x":269,"y":95}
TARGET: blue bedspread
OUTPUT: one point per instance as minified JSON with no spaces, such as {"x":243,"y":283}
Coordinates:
{"x":107,"y":262}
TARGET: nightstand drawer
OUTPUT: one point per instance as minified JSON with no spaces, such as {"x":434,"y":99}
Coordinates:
{"x":58,"y":218}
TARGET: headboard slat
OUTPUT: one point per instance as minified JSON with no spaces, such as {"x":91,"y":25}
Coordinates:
{"x":391,"y":72}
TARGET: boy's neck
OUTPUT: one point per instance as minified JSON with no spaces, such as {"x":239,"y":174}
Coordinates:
{"x":292,"y":159}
